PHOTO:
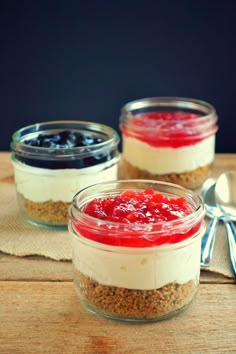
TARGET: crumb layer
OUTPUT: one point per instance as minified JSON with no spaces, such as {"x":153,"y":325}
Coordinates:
{"x":49,"y":212}
{"x":191,"y":179}
{"x":129,"y":304}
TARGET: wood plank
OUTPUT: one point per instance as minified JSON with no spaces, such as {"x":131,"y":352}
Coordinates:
{"x":48,"y":318}
{"x":33,"y":268}
{"x":208,"y":277}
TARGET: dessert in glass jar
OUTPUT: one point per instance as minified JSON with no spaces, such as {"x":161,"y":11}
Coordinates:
{"x":54,"y":160}
{"x":136,"y":248}
{"x":169,"y":139}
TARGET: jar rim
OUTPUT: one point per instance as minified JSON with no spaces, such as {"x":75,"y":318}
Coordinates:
{"x":18,"y":145}
{"x":171,"y":101}
{"x":76,"y":212}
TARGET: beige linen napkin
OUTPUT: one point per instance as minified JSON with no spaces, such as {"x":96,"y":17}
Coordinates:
{"x":19,"y":238}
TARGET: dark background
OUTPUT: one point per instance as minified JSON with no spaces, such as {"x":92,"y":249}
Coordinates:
{"x":85,"y":59}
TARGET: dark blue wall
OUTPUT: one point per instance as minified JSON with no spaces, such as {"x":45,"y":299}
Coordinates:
{"x":85,"y":59}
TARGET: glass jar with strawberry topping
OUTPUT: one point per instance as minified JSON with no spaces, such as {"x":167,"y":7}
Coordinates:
{"x":136,"y":248}
{"x":169,"y":139}
{"x":54,"y":160}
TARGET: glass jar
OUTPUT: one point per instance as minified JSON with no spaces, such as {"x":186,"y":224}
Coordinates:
{"x":47,"y":177}
{"x":169,"y":139}
{"x":153,"y":279}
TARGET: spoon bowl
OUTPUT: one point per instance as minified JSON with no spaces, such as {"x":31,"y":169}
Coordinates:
{"x":225,"y":192}
{"x":208,"y":195}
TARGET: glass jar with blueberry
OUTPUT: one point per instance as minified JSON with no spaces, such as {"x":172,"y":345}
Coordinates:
{"x":54,"y":160}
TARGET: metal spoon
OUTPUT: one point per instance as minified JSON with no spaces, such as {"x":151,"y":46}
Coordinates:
{"x":225,"y":193}
{"x":215,"y":214}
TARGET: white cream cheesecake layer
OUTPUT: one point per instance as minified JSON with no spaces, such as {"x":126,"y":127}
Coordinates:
{"x":165,"y":160}
{"x":144,"y":269}
{"x":41,"y":184}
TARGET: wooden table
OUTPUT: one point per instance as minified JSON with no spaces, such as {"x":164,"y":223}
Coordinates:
{"x":40,"y":312}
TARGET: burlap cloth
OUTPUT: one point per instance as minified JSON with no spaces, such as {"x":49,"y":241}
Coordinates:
{"x":19,"y":238}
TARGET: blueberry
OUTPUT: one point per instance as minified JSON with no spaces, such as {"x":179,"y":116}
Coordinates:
{"x":33,"y":142}
{"x":98,"y":140}
{"x":98,"y":156}
{"x":64,"y":136}
{"x":89,"y":161}
{"x":41,"y":138}
{"x":48,"y":143}
{"x":71,"y":140}
{"x":64,"y":139}
{"x":88,"y":140}
{"x":79,"y":139}
{"x":71,"y":137}
{"x":55,"y":138}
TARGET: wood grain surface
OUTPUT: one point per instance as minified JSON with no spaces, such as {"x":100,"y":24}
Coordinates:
{"x":47,"y":317}
{"x":40,"y":311}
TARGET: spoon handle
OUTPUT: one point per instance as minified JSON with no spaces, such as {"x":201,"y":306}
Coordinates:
{"x":231,"y":236}
{"x":208,"y":242}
